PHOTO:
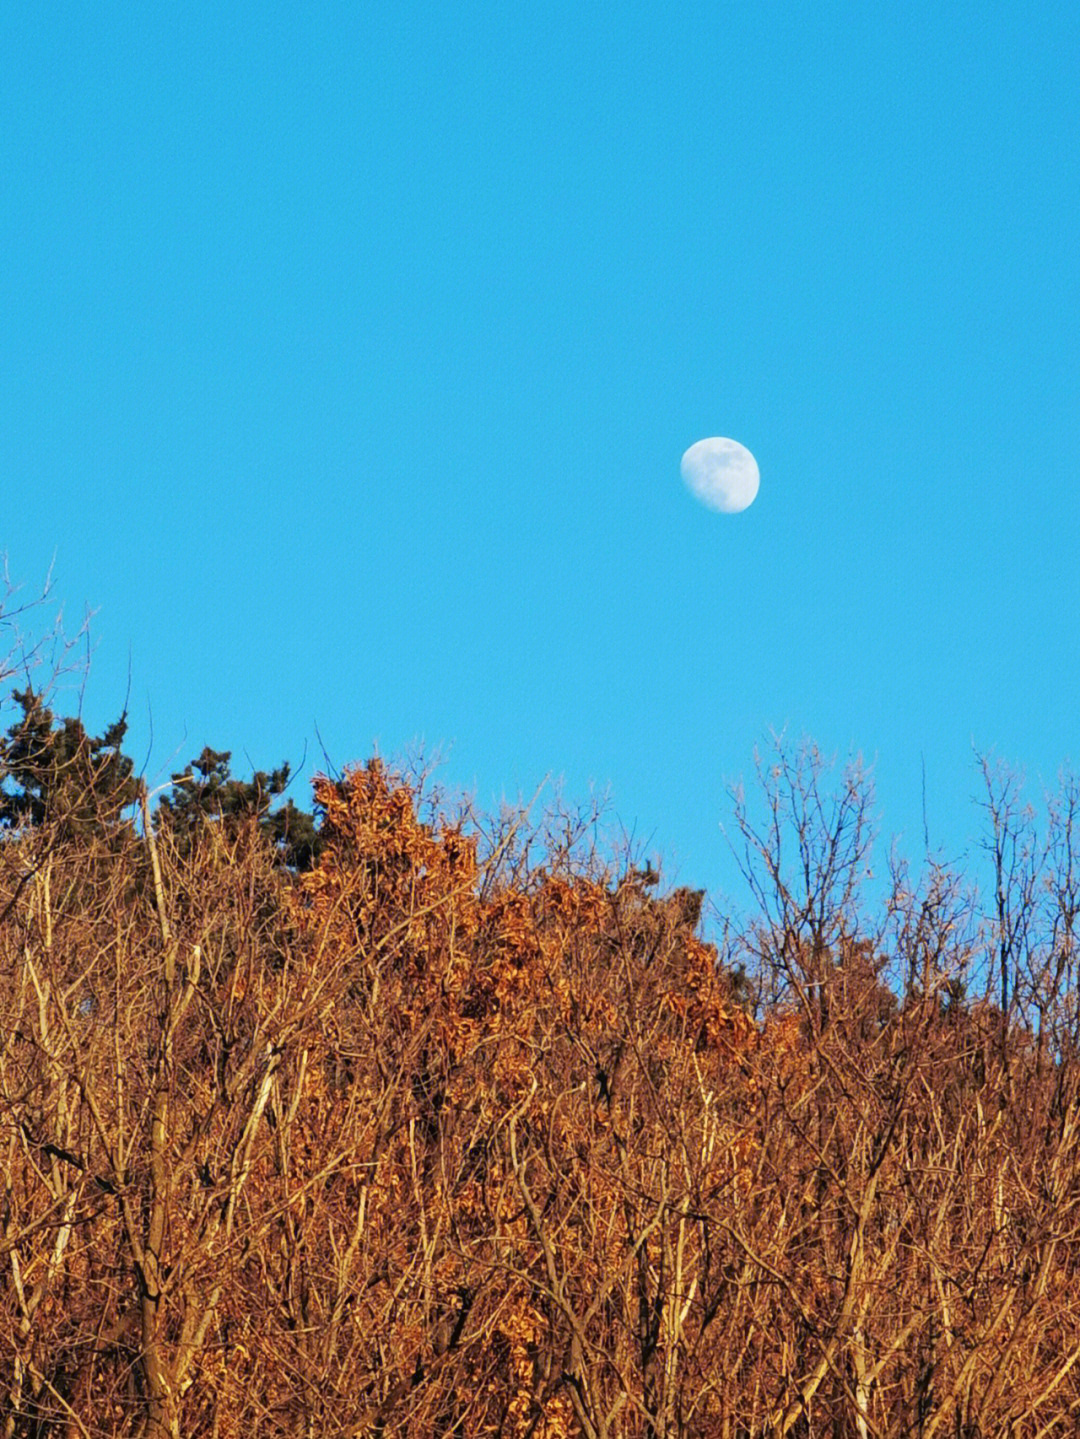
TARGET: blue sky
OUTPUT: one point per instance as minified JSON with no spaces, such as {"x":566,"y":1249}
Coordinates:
{"x":349,"y":352}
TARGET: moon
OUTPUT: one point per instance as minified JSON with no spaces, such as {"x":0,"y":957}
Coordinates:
{"x":722,"y":474}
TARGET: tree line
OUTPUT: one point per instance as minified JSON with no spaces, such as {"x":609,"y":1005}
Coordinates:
{"x":396,"y":1119}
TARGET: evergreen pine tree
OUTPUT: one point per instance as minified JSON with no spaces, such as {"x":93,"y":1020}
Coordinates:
{"x":208,"y":792}
{"x":55,"y":772}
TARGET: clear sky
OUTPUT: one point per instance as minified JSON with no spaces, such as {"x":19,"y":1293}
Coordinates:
{"x":348,"y":353}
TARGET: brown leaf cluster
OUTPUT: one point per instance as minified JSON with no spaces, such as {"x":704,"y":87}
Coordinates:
{"x":432,"y":1140}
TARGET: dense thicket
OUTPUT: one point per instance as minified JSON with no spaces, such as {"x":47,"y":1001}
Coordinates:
{"x":454,"y":1129}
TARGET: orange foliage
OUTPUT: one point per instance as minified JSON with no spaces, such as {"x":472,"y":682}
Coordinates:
{"x":427,"y":1142}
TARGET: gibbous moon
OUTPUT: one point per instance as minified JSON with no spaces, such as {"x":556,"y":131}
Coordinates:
{"x":722,"y":474}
